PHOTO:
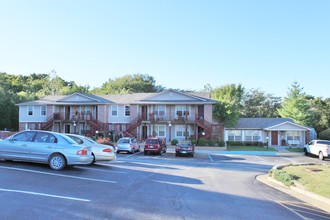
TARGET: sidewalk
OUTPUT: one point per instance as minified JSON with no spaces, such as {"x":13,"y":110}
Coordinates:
{"x":299,"y":193}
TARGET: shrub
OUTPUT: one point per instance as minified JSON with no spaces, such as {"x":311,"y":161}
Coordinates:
{"x":202,"y":142}
{"x":174,"y":142}
{"x":325,"y":134}
{"x":194,"y":142}
{"x":282,"y":176}
{"x":221,"y":143}
{"x":211,"y":142}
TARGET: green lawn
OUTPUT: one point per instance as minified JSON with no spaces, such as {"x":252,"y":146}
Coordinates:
{"x":249,"y":148}
{"x":315,"y":178}
{"x":295,"y":149}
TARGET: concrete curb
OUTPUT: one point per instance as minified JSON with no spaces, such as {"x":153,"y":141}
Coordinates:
{"x":306,"y":196}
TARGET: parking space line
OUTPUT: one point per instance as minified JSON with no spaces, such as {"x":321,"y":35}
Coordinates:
{"x":44,"y":194}
{"x":56,"y":174}
{"x":210,"y":157}
{"x":102,"y":170}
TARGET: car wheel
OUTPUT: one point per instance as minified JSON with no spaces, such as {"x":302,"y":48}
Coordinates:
{"x":145,"y":152}
{"x":57,"y":162}
{"x":306,"y":152}
{"x":133,"y":151}
{"x":321,"y":157}
{"x":176,"y":154}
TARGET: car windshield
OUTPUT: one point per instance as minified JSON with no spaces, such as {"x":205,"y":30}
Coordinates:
{"x":185,"y":144}
{"x":123,"y":141}
{"x":151,"y":141}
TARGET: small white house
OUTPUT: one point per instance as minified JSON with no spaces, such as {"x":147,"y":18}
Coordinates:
{"x":272,"y":131}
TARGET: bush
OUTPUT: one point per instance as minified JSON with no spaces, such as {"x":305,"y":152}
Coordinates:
{"x":194,"y":142}
{"x":221,"y":143}
{"x":211,"y":142}
{"x":325,"y":135}
{"x":282,"y":176}
{"x":202,"y":142}
{"x":174,"y":142}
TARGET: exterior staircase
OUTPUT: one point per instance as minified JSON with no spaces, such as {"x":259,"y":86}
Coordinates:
{"x":207,"y":126}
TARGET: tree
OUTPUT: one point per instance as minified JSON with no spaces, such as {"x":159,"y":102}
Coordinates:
{"x":227,"y":109}
{"x":136,"y":83}
{"x":298,"y":107}
{"x":257,"y":103}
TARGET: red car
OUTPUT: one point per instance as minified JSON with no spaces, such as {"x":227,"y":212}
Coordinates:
{"x":155,"y":146}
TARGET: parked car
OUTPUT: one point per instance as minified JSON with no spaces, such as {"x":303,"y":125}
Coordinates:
{"x":155,"y":146}
{"x":320,"y":148}
{"x":46,"y":147}
{"x":185,"y":148}
{"x":128,"y":144}
{"x":100,"y":152}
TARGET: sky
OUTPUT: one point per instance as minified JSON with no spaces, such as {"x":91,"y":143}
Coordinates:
{"x":184,"y":44}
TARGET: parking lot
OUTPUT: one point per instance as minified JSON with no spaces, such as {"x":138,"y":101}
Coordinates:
{"x":210,"y":185}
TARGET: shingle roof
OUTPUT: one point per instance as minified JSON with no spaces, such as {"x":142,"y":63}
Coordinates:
{"x":259,"y":123}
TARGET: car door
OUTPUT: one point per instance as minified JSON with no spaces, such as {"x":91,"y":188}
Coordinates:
{"x":43,"y":145}
{"x":17,"y":147}
{"x":312,"y":147}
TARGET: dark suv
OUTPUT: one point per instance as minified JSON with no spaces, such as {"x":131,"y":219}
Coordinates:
{"x":155,"y":146}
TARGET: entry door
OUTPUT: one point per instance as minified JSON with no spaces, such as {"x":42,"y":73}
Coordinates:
{"x":144,"y":132}
{"x":274,"y":138}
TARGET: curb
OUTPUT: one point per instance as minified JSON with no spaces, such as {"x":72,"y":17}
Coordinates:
{"x":301,"y":194}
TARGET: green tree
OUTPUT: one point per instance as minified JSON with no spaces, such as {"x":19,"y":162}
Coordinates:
{"x":298,"y":107}
{"x":229,"y":98}
{"x":129,"y":84}
{"x":257,"y":103}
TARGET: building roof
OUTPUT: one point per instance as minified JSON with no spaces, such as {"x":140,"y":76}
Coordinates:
{"x":259,"y":123}
{"x":165,"y":97}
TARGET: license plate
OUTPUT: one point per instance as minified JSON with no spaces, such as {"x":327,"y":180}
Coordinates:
{"x":184,"y":152}
{"x":151,"y":146}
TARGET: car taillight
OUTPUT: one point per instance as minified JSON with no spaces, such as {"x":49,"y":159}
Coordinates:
{"x":178,"y":148}
{"x":189,"y":148}
{"x":82,"y":152}
{"x":145,"y":146}
{"x":109,"y":150}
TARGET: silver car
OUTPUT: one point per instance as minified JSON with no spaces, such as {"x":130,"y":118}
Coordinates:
{"x":128,"y":144}
{"x":46,"y":147}
{"x":100,"y":152}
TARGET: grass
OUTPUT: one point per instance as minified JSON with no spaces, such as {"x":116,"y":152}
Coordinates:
{"x":249,"y":148}
{"x":316,"y":182}
{"x":295,"y":149}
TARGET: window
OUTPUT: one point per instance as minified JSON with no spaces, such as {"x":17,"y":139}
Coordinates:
{"x":160,"y":130}
{"x":127,"y":111}
{"x":43,"y":110}
{"x":159,"y":111}
{"x":234,"y":135}
{"x":293,"y":136}
{"x":182,"y":111}
{"x":30,"y":110}
{"x":114,"y":110}
{"x":251,"y":135}
{"x":24,"y":136}
{"x":180,"y":131}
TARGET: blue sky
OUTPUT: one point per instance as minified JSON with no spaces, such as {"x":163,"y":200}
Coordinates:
{"x":183,"y":44}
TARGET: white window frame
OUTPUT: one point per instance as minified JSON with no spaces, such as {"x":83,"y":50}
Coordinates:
{"x":252,"y":135}
{"x":160,"y":111}
{"x":293,"y":135}
{"x":160,"y":130}
{"x":180,"y":131}
{"x":43,"y":110}
{"x":234,"y":135}
{"x":113,"y":110}
{"x":30,"y":108}
{"x":182,"y":109}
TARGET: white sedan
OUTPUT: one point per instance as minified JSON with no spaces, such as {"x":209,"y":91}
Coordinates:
{"x":100,"y":152}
